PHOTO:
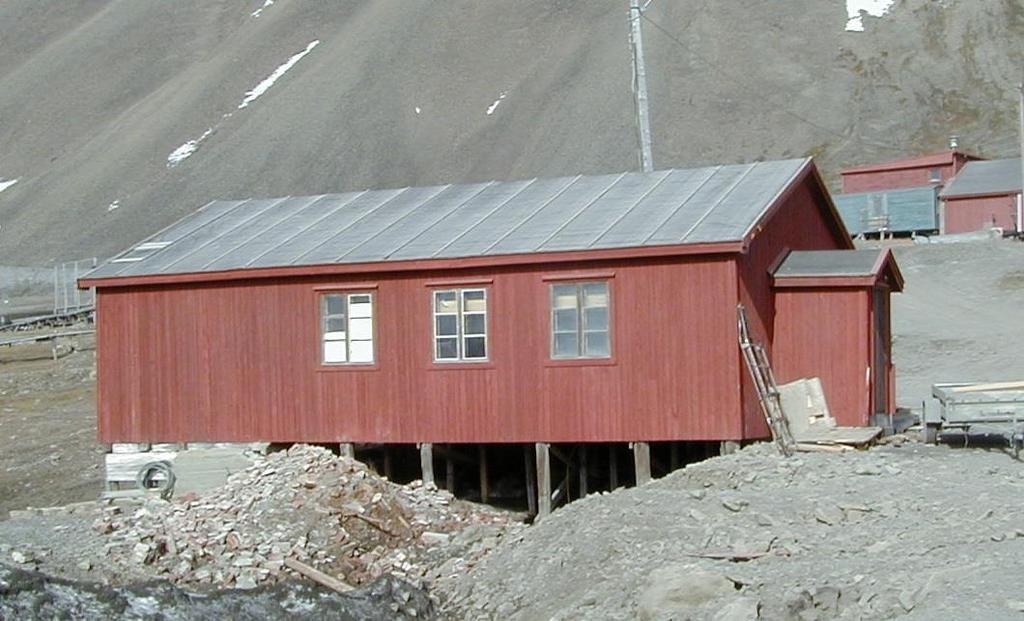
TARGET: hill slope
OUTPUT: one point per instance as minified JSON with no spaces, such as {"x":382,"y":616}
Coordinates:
{"x":96,"y":95}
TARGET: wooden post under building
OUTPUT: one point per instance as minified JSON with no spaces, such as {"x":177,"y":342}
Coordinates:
{"x":642,"y":462}
{"x":543,"y":480}
{"x":427,"y":463}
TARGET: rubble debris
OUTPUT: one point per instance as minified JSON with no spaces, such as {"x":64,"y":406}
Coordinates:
{"x":327,"y":512}
{"x":31,"y":595}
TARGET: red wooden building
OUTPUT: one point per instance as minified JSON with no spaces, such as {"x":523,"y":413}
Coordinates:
{"x":573,"y":310}
{"x":983,"y":195}
{"x":932,"y":169}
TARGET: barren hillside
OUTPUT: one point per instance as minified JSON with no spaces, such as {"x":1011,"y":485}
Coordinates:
{"x":119,"y":116}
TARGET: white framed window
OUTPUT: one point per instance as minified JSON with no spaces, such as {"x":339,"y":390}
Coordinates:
{"x":580,"y":320}
{"x":460,"y":325}
{"x":346,"y":328}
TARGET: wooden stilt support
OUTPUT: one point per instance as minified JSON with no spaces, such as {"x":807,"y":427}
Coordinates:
{"x":388,"y":472}
{"x":449,"y":471}
{"x":427,"y":463}
{"x":345,"y":449}
{"x":728,"y":447}
{"x":673,"y":456}
{"x":543,"y":480}
{"x":642,"y":462}
{"x":583,"y":470}
{"x":482,"y":449}
{"x":531,"y":481}
{"x":613,"y":467}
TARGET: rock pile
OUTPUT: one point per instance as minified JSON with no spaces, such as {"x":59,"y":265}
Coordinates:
{"x":308,"y":504}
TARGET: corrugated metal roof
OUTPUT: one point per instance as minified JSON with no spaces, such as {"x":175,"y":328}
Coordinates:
{"x":702,"y":205}
{"x":830,"y":263}
{"x":901,"y":211}
{"x":986,"y":177}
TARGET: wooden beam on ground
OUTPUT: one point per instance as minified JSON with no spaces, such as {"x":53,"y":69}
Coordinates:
{"x":427,"y":463}
{"x":531,"y":481}
{"x":583,"y":470}
{"x":482,"y":449}
{"x":543,"y":479}
{"x":642,"y":462}
{"x":317,"y":576}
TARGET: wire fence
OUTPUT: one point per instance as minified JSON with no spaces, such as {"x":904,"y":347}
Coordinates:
{"x":67,"y":297}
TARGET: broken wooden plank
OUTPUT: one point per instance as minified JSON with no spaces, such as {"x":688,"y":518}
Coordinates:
{"x":317,"y":576}
{"x":736,"y":557}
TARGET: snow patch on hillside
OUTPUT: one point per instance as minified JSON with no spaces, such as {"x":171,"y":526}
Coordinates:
{"x":494,"y":106}
{"x":265,"y":85}
{"x":874,"y":8}
{"x":6,"y":184}
{"x":259,"y":11}
{"x":186,"y":150}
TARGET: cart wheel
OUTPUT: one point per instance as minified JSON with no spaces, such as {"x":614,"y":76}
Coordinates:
{"x":931,"y":434}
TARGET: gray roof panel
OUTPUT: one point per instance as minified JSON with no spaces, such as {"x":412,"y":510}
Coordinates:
{"x":829,"y":263}
{"x":702,"y":205}
{"x":985,"y":177}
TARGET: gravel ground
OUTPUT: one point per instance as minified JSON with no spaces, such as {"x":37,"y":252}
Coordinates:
{"x":959,"y":317}
{"x":48,"y":450}
{"x":916,"y":531}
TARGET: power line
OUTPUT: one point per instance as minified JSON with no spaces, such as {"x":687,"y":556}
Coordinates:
{"x":739,"y":82}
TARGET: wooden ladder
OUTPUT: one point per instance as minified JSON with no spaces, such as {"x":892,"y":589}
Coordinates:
{"x":767,"y":390}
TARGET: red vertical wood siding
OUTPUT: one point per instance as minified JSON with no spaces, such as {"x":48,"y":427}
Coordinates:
{"x":895,"y":179}
{"x":239,"y":361}
{"x":827,"y":333}
{"x":966,"y":215}
{"x":799,"y":224}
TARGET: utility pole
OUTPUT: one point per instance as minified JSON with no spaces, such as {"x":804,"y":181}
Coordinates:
{"x":643,"y":123}
{"x":1020,"y":197}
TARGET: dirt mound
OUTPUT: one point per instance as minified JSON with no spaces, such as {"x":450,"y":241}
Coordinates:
{"x":915,"y":531}
{"x":306,"y":504}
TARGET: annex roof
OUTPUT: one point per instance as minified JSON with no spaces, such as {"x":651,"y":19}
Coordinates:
{"x":628,"y":210}
{"x":840,"y":267}
{"x":922,"y":161}
{"x":984,"y":178}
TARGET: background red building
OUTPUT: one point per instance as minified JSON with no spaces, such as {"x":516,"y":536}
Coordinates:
{"x":935,"y":168}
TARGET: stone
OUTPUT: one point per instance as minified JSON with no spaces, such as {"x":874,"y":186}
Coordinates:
{"x":734,"y":504}
{"x":739,"y":609}
{"x":20,"y":557}
{"x":84,"y":565}
{"x":868,"y":470}
{"x":680,"y":591}
{"x":829,"y":515}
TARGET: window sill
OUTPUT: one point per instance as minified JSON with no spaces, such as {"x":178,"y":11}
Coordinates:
{"x":460,"y":366}
{"x":335,"y":368}
{"x":581,"y":362}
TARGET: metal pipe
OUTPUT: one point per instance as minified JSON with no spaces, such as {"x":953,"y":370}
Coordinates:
{"x":640,"y":86}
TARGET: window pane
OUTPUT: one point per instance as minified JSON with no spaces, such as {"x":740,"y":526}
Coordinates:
{"x":595,"y":318}
{"x":335,"y":324}
{"x":334,"y":336}
{"x":474,"y":301}
{"x":565,"y":320}
{"x":447,"y":349}
{"x":476,"y":347}
{"x":596,"y":344}
{"x":362,"y":308}
{"x":362,"y":351}
{"x":360,"y":329}
{"x":446,"y":302}
{"x":334,"y":304}
{"x":447,"y":325}
{"x":566,"y":345}
{"x":563,"y":296}
{"x":595,"y":294}
{"x":474,"y":324}
{"x":334,"y":351}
